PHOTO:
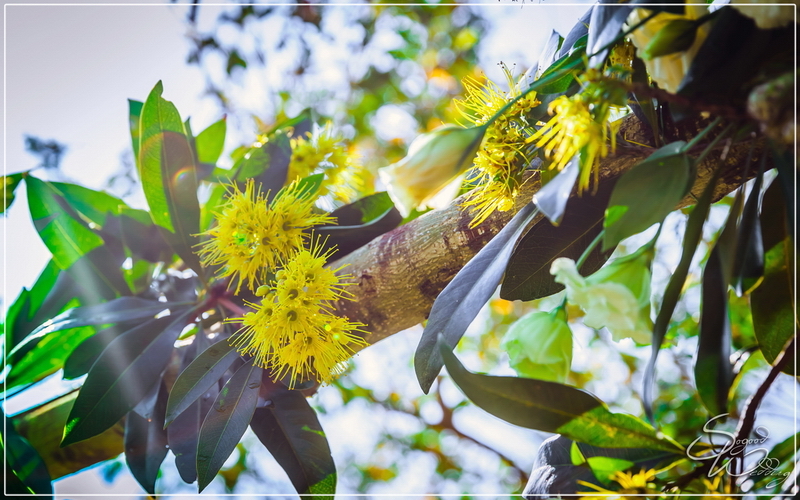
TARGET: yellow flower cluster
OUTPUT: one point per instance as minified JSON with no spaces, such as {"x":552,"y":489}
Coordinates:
{"x":252,"y":237}
{"x":325,"y":152}
{"x":293,"y":331}
{"x":630,"y":484}
{"x":580,"y":125}
{"x":500,"y":163}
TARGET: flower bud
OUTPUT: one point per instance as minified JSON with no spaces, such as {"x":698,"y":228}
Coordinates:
{"x":676,"y":36}
{"x":539,"y":345}
{"x":433,"y":161}
{"x":616,"y":297}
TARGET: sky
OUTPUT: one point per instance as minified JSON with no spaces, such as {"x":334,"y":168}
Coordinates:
{"x":69,"y":70}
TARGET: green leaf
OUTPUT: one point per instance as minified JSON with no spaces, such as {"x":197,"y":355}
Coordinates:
{"x":644,"y":195}
{"x":67,"y":239}
{"x":225,"y":424}
{"x":134,"y":117}
{"x":206,"y":369}
{"x":121,"y":309}
{"x":24,"y":461}
{"x":748,"y":268}
{"x":91,"y":204}
{"x":268,"y":165}
{"x":184,"y":432}
{"x":169,"y":177}
{"x":10,"y":183}
{"x":461,"y":300}
{"x":290,"y":430}
{"x":122,"y":376}
{"x":605,"y":467}
{"x":691,"y":238}
{"x":553,"y":407}
{"x":363,"y":211}
{"x":84,"y":355}
{"x":713,"y":372}
{"x":210,"y":142}
{"x":146,"y":443}
{"x":549,"y":51}
{"x":561,"y":74}
{"x":774,"y":302}
{"x":47,"y":297}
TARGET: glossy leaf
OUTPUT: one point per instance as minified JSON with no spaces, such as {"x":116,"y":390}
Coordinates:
{"x":142,"y":237}
{"x":560,"y":75}
{"x":290,"y":430}
{"x":268,"y":165}
{"x":91,"y":204}
{"x":365,"y":210}
{"x":553,"y":407}
{"x":691,"y":238}
{"x":121,"y":309}
{"x":646,"y":194}
{"x":46,"y":298}
{"x":10,"y":183}
{"x":225,"y":424}
{"x":774,"y":302}
{"x":713,"y":372}
{"x":210,"y":142}
{"x":122,"y":376}
{"x":748,"y":268}
{"x":146,"y":443}
{"x":134,"y":117}
{"x":169,"y":178}
{"x":349,"y":238}
{"x":182,"y":435}
{"x":528,"y":273}
{"x":549,"y":52}
{"x":206,"y":369}
{"x":83,"y":356}
{"x":67,"y":239}
{"x":552,"y":198}
{"x":23,"y":461}
{"x":605,"y":25}
{"x":459,"y":303}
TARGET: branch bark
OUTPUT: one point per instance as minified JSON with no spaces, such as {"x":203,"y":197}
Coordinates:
{"x":397,"y":277}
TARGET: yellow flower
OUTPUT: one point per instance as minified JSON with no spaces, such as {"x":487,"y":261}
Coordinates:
{"x":501,"y":161}
{"x":667,"y":71}
{"x":630,"y":484}
{"x":325,"y":152}
{"x":293,"y":331}
{"x":434,"y":160}
{"x":573,"y":130}
{"x":252,"y":238}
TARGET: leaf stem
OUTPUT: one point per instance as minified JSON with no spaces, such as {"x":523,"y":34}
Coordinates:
{"x":585,"y":254}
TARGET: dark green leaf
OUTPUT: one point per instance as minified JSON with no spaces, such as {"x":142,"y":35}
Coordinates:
{"x":605,"y":25}
{"x":210,"y":142}
{"x":225,"y":424}
{"x":364,"y":210}
{"x":528,"y":275}
{"x":349,"y":238}
{"x":123,"y":374}
{"x":83,"y":356}
{"x":24,"y":461}
{"x":553,"y":407}
{"x":98,"y":276}
{"x":694,"y":231}
{"x":47,"y":357}
{"x":143,"y":238}
{"x":121,"y":309}
{"x":290,"y":430}
{"x":713,"y":372}
{"x":134,"y":117}
{"x":772,"y":302}
{"x":561,"y":74}
{"x":205,"y":370}
{"x":549,"y":52}
{"x":169,"y":178}
{"x":268,"y":165}
{"x":461,"y":300}
{"x":48,"y":296}
{"x":93,"y":205}
{"x":644,"y":195}
{"x":10,"y":183}
{"x":146,"y":443}
{"x":748,"y":268}
{"x":182,"y":435}
{"x":552,"y":198}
